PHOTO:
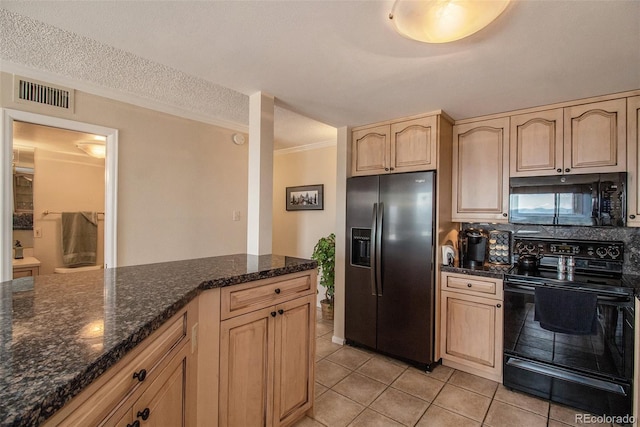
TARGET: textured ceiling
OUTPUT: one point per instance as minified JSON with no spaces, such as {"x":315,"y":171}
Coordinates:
{"x":338,"y":62}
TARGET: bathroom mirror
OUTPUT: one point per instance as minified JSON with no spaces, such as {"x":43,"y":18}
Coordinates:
{"x":23,"y":172}
{"x":23,"y":175}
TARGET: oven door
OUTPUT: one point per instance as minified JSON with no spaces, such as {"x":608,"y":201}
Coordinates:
{"x":591,"y":372}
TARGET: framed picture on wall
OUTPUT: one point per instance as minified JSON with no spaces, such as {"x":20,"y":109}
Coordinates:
{"x":305,"y":198}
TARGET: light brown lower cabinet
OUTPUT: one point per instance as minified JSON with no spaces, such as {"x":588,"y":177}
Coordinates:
{"x":240,"y":355}
{"x":164,"y":403}
{"x":19,"y":272}
{"x":471,"y":324}
{"x":636,"y":366}
{"x":266,"y":365}
{"x":153,"y":385}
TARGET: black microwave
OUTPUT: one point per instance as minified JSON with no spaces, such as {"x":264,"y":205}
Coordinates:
{"x":587,"y":200}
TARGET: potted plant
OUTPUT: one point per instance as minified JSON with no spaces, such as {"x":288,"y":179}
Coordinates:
{"x":325,"y":254}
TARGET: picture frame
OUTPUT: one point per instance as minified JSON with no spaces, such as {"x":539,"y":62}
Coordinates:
{"x":305,"y":198}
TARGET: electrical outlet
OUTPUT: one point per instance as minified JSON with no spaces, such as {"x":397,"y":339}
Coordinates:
{"x":37,"y":232}
{"x":236,"y":215}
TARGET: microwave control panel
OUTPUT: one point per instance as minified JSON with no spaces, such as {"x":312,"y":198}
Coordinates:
{"x":611,"y":204}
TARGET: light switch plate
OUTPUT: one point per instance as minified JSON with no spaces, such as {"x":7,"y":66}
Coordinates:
{"x":37,"y":232}
{"x":236,"y":215}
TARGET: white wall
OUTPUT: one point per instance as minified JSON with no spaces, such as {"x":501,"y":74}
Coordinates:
{"x":64,"y":183}
{"x":295,"y":233}
{"x":179,"y":180}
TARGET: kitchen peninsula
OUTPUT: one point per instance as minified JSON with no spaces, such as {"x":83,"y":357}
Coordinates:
{"x":61,"y":333}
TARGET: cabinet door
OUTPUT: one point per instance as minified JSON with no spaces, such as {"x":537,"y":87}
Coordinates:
{"x":111,"y":396}
{"x":246,"y":369}
{"x":293,"y":373}
{"x":536,"y":143}
{"x":121,"y":418}
{"x":595,"y":137}
{"x":166,"y":401}
{"x":414,"y":145}
{"x":481,"y":171}
{"x":471,"y":333}
{"x":633,"y":162}
{"x":370,"y":151}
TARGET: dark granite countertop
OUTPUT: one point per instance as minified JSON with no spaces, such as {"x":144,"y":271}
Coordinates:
{"x":60,"y":332}
{"x":632,"y":281}
{"x":493,"y":271}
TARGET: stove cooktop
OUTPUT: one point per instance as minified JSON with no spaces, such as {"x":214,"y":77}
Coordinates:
{"x":565,"y":276}
{"x":597,"y":264}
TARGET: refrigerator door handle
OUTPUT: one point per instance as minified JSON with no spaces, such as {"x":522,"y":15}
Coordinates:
{"x":374,"y":227}
{"x":379,"y":247}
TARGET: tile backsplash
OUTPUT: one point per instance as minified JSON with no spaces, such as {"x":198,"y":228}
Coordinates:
{"x":628,"y":235}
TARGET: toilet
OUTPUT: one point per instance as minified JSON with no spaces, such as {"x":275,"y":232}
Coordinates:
{"x":63,"y":270}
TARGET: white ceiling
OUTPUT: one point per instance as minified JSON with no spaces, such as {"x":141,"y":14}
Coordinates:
{"x":337,"y":62}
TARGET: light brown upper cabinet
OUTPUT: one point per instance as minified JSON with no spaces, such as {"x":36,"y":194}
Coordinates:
{"x":481,"y":171}
{"x":633,"y":162}
{"x":370,"y":153}
{"x":586,"y":138}
{"x":536,"y":143}
{"x":595,"y":137}
{"x":397,"y":147}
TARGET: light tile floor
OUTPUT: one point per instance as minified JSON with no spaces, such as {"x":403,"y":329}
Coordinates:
{"x":355,"y":387}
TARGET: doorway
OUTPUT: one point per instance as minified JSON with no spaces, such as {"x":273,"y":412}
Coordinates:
{"x":110,"y":138}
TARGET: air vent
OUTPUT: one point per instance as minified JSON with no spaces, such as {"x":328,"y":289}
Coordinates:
{"x":29,"y":90}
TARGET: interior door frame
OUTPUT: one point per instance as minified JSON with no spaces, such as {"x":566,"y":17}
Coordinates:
{"x":111,"y":182}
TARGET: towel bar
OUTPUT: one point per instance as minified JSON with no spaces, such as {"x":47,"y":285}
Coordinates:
{"x":45,"y":213}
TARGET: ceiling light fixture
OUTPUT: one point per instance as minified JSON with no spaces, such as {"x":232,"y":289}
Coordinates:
{"x":443,"y":21}
{"x":94,"y":149}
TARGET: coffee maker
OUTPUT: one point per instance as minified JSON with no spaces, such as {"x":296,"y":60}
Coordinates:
{"x":472,"y":247}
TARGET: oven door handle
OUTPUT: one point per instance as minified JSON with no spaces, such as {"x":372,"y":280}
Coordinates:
{"x":563,"y":374}
{"x":602,"y":296}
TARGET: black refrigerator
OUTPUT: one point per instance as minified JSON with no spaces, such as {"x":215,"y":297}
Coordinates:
{"x":389,"y":282}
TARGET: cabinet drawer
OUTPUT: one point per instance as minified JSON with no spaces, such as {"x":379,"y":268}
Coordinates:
{"x":474,"y":285}
{"x":118,"y":383}
{"x":242,"y":299}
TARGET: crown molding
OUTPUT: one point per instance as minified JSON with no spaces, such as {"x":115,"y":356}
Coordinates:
{"x":314,"y":146}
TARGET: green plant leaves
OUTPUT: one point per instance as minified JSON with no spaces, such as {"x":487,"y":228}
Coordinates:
{"x":325,"y":254}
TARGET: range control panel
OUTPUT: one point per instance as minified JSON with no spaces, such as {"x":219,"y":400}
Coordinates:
{"x":589,"y":249}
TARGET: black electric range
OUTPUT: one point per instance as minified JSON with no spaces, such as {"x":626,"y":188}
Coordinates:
{"x":581,"y":354}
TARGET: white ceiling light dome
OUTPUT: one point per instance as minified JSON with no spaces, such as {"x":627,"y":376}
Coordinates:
{"x":94,"y":149}
{"x":443,"y":21}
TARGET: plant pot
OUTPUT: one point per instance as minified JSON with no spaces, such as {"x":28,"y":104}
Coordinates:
{"x":327,"y":310}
